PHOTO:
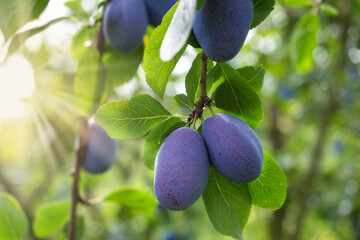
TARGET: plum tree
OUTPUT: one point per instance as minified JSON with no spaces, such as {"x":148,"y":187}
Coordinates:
{"x":157,"y":10}
{"x":101,"y":150}
{"x":181,"y":169}
{"x":125,"y":23}
{"x":234,"y":149}
{"x":221,"y":27}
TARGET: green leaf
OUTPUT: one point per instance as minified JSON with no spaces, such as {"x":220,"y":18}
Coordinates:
{"x":254,"y":76}
{"x":200,"y":4}
{"x":235,"y":95}
{"x":13,"y":222}
{"x":262,"y":9}
{"x":329,"y":9}
{"x":122,"y":67}
{"x":78,"y":47}
{"x":179,"y":30}
{"x":192,"y":80}
{"x":153,"y":142}
{"x":184,"y":103}
{"x":39,"y":7}
{"x":16,"y":13}
{"x":269,"y":190}
{"x":158,"y":72}
{"x":138,"y":200}
{"x":90,"y":86}
{"x":51,"y":217}
{"x":192,"y":41}
{"x":228,"y":205}
{"x":131,"y":119}
{"x":21,"y":37}
{"x":80,"y":228}
{"x":298,"y":3}
{"x":168,"y":131}
{"x":303,"y":42}
{"x":76,"y":8}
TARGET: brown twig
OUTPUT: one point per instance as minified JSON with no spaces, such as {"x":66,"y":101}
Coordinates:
{"x":83,"y":136}
{"x":204,"y":100}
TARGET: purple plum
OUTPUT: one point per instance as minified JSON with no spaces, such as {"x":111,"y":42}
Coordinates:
{"x":181,"y":169}
{"x":234,"y":149}
{"x":221,"y":27}
{"x":125,"y":23}
{"x":101,"y":150}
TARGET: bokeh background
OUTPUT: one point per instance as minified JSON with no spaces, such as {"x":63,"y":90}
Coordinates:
{"x":311,"y":126}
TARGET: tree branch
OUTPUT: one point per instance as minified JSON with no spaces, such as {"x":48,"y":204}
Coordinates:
{"x":83,"y":137}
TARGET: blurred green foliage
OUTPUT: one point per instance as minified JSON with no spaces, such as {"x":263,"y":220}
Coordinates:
{"x":310,"y":126}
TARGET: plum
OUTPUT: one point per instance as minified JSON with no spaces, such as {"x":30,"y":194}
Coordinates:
{"x":157,"y":10}
{"x":101,"y":151}
{"x":221,"y":27}
{"x":181,"y":169}
{"x":125,"y":23}
{"x":234,"y":149}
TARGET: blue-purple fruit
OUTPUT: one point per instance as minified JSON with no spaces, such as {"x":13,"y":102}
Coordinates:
{"x":101,"y":150}
{"x":157,"y":10}
{"x":221,"y":27}
{"x":181,"y":169}
{"x":125,"y":23}
{"x":234,"y":149}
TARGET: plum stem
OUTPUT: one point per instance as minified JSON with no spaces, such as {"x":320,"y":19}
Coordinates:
{"x":212,"y":111}
{"x":203,"y":76}
{"x":204,"y":100}
{"x":83,"y":134}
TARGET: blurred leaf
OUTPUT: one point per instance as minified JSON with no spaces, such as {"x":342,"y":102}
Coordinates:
{"x":158,"y":72}
{"x":228,"y":204}
{"x":235,"y":95}
{"x":90,"y":86}
{"x":131,"y":119}
{"x":78,"y":47}
{"x":269,"y":190}
{"x":122,"y":67}
{"x":254,"y":76}
{"x":303,"y":42}
{"x":298,"y":3}
{"x":262,"y":9}
{"x":153,"y":142}
{"x":135,"y":199}
{"x":80,"y":228}
{"x":192,"y":80}
{"x":76,"y":8}
{"x":51,"y":217}
{"x":40,"y":6}
{"x":13,"y":222}
{"x":15,"y":13}
{"x":184,"y":103}
{"x":179,"y":30}
{"x":168,"y":131}
{"x":329,"y":9}
{"x":102,"y":3}
{"x":200,"y":4}
{"x":19,"y":39}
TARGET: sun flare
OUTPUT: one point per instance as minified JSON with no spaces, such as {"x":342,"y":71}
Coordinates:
{"x":17,"y":82}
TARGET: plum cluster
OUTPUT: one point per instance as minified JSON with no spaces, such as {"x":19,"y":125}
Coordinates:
{"x":220,"y":27}
{"x":101,"y":150}
{"x":125,"y":21}
{"x":182,"y":163}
